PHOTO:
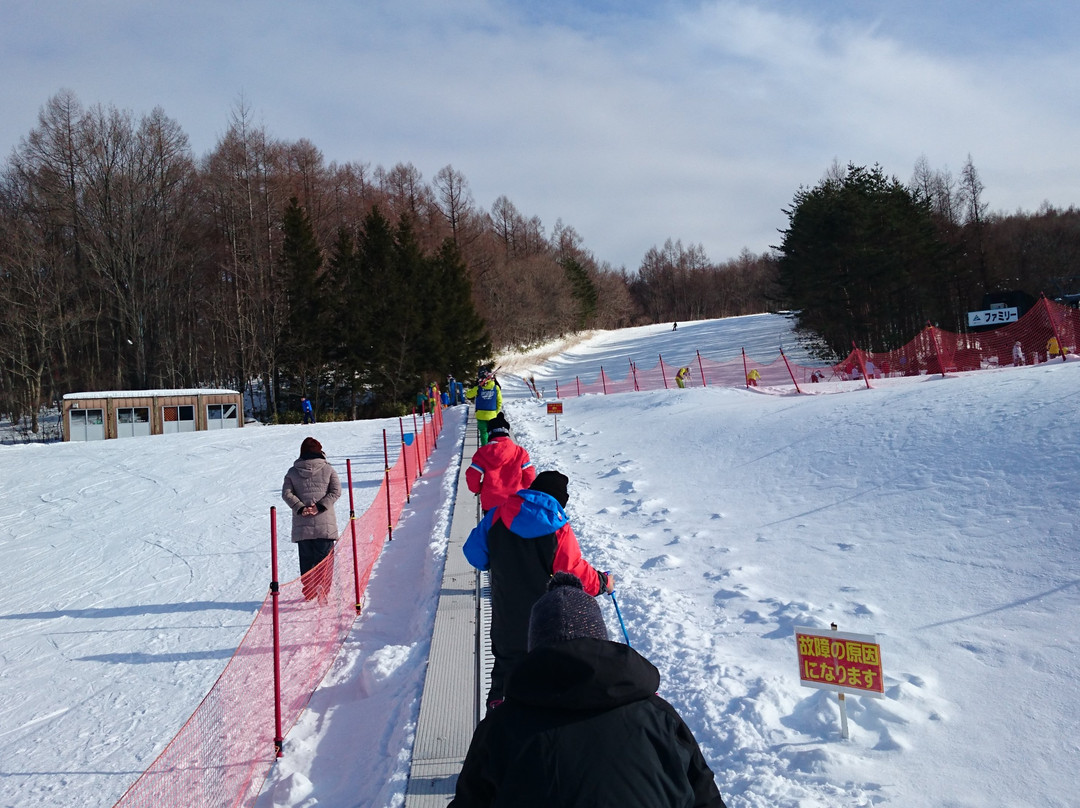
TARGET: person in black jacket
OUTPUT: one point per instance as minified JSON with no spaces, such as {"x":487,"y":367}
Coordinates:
{"x":523,"y":542}
{"x":582,"y":724}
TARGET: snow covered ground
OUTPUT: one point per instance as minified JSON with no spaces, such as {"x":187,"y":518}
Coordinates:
{"x":938,"y":514}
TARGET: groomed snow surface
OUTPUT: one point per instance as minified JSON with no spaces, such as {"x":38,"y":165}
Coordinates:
{"x":938,"y":514}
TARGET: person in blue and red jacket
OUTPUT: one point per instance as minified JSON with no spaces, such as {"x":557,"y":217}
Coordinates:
{"x":500,"y":467}
{"x":523,"y":543}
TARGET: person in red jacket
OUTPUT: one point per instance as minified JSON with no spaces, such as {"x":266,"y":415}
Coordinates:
{"x":523,"y":543}
{"x":500,"y":467}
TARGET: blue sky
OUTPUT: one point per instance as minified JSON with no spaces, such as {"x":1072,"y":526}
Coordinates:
{"x":634,"y":122}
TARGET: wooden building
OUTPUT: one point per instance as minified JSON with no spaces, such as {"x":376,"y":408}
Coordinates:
{"x":137,"y":413}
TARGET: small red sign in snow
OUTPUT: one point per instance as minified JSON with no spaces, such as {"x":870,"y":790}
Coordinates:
{"x":837,"y":660}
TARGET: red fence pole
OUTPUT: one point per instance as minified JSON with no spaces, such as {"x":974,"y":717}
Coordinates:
{"x":352,"y":531}
{"x":1054,"y":328}
{"x":389,"y":518}
{"x":745,"y":370}
{"x":603,"y":379}
{"x":862,"y":364}
{"x":662,"y":371}
{"x":416,"y":443}
{"x":405,"y":459}
{"x":423,"y":431}
{"x":937,"y":348}
{"x":435,"y":427}
{"x":792,"y":375}
{"x":702,"y":369}
{"x":633,"y":371}
{"x":557,"y":388}
{"x":278,"y":738}
{"x":578,"y":380}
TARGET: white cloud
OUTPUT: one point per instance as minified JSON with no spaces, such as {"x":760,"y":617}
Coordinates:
{"x":699,"y":125}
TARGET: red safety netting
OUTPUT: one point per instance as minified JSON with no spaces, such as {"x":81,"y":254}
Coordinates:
{"x":222,"y":754}
{"x":1033,"y":338}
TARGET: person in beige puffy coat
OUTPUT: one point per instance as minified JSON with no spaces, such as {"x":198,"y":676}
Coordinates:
{"x":310,"y":489}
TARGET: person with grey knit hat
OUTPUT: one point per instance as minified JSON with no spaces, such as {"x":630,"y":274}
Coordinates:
{"x":310,"y":490}
{"x":582,"y":724}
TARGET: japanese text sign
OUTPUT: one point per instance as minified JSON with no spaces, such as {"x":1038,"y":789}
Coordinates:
{"x":554,"y":408}
{"x":837,"y":660}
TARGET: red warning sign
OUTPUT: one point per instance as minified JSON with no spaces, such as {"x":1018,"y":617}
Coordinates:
{"x":837,"y":660}
{"x":554,"y":408}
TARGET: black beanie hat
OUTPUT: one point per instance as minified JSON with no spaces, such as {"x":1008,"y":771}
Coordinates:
{"x":553,"y":483}
{"x":564,"y":613}
{"x":498,"y":426}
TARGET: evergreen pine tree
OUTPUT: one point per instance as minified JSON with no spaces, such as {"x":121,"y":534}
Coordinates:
{"x":859,"y":261}
{"x":305,"y":336}
{"x":463,"y":336}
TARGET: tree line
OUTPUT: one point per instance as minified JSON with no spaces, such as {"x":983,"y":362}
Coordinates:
{"x":128,"y":263}
{"x":869,"y":260}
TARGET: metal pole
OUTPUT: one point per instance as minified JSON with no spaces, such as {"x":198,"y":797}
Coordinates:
{"x":405,"y":459}
{"x":621,"y":623}
{"x":416,"y":443}
{"x":278,"y":738}
{"x":745,"y":370}
{"x":662,"y":371}
{"x":702,"y":369}
{"x":603,"y":379}
{"x":843,"y":709}
{"x":792,"y":375}
{"x":386,"y":459}
{"x":352,"y":531}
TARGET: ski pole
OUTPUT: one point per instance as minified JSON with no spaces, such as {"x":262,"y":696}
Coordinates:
{"x":621,"y":623}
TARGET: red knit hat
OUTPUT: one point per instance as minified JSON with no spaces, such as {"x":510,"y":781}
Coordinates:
{"x":311,"y":448}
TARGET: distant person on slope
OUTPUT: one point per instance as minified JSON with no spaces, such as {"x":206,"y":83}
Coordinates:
{"x":500,"y":467}
{"x":582,"y":724}
{"x":681,"y":376}
{"x":523,"y":543}
{"x":488,"y":396}
{"x":310,"y":490}
{"x":1053,"y":349}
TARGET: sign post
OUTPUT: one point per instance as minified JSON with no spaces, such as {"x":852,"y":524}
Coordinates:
{"x":999,"y":316}
{"x":840,"y":661}
{"x":555,"y":408}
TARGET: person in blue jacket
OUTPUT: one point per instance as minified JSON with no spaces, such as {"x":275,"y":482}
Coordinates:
{"x":523,"y":542}
{"x":306,"y":410}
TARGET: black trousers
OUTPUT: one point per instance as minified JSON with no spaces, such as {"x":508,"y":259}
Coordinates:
{"x":316,"y":582}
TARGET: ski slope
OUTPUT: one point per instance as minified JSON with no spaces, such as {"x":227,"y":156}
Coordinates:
{"x":937,"y":514}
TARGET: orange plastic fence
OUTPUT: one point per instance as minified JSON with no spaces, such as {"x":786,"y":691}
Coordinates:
{"x":1034,"y":338}
{"x":223,"y":753}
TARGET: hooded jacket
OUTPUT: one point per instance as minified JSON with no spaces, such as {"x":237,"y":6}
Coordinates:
{"x":582,"y":726}
{"x":523,"y":543}
{"x":312,"y":479}
{"x":488,"y":397}
{"x":499,"y":468}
